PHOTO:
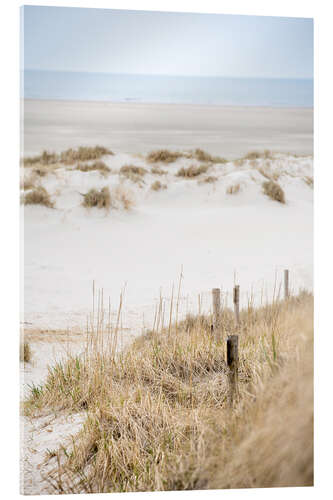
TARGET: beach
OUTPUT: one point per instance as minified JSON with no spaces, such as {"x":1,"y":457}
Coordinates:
{"x":138,"y":128}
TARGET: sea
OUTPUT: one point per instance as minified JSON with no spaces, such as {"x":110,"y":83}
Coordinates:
{"x":273,"y":92}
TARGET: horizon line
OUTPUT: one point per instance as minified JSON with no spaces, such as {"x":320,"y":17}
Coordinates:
{"x":171,"y":75}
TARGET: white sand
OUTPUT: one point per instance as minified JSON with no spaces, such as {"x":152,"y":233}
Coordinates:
{"x":138,"y":128}
{"x":197,"y":226}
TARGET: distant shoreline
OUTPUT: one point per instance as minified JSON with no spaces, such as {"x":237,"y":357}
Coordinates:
{"x":153,"y":103}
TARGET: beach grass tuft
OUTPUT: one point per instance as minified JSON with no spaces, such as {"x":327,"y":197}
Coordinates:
{"x":38,"y":196}
{"x":163,"y":156}
{"x":274,"y":191}
{"x":192,"y":171}
{"x":97,"y":198}
{"x":99,"y":165}
{"x":158,"y":186}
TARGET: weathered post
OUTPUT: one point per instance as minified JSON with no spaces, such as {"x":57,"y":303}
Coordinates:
{"x":236,"y":303}
{"x":232,"y":362}
{"x":286,"y":284}
{"x":216,"y":293}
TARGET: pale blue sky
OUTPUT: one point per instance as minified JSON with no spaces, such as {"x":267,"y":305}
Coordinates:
{"x":119,"y":41}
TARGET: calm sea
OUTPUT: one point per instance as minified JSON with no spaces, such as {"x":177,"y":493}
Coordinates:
{"x":167,"y":89}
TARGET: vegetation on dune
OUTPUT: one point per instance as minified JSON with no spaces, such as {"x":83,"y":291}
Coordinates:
{"x":233,"y":189}
{"x":97,"y":198}
{"x":25,"y":352}
{"x":309,"y":181}
{"x":192,"y":171}
{"x":157,"y":186}
{"x":158,"y":171}
{"x":157,"y":412}
{"x":203,"y":156}
{"x":119,"y":197}
{"x":83,"y":153}
{"x":164,"y":156}
{"x":274,"y":191}
{"x":69,"y":157}
{"x":133,"y":170}
{"x":99,"y":165}
{"x":38,"y":196}
{"x":45,"y":158}
{"x":210,"y":179}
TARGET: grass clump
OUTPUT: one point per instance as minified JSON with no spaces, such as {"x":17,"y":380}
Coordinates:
{"x":38,"y":196}
{"x":309,"y":181}
{"x":203,"y":156}
{"x":192,"y":171}
{"x":83,"y":153}
{"x":210,"y":179}
{"x":274,"y":191}
{"x":233,"y":189}
{"x":129,"y":170}
{"x":100,"y":166}
{"x":25,"y":352}
{"x":158,"y":416}
{"x":99,"y":199}
{"x":157,"y":186}
{"x":158,"y":171}
{"x":163,"y":156}
{"x":45,"y":158}
{"x":28,"y":182}
{"x":255,"y":155}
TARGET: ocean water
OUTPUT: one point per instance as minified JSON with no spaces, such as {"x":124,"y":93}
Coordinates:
{"x":58,"y":85}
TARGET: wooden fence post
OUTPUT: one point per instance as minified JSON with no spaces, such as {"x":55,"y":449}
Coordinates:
{"x":236,"y":303}
{"x":286,"y":284}
{"x":232,"y":362}
{"x":216,"y":293}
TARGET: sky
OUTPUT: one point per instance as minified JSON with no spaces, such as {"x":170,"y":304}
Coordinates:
{"x":141,"y":42}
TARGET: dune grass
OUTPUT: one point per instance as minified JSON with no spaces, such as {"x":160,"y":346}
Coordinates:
{"x":45,"y":158}
{"x":83,"y":153}
{"x":99,"y":166}
{"x":158,"y":171}
{"x":203,"y":156}
{"x":233,"y":188}
{"x":309,"y":181}
{"x":157,"y":412}
{"x":192,"y":171}
{"x":163,"y":156}
{"x":25,"y":352}
{"x":97,"y":198}
{"x":274,"y":191}
{"x":210,"y":179}
{"x":157,"y":186}
{"x":38,"y":196}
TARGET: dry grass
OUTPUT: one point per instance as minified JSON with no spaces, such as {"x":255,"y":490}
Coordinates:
{"x":129,"y":170}
{"x":233,"y":189}
{"x":25,"y":352}
{"x":158,"y":171}
{"x":100,"y":166}
{"x":38,"y":196}
{"x":274,"y":191}
{"x":157,"y":186}
{"x":28,"y":182}
{"x":192,"y":171}
{"x":122,"y":197}
{"x":210,"y":179}
{"x":163,"y":156}
{"x":255,"y":155}
{"x":83,"y":153}
{"x":98,"y":199}
{"x":309,"y":181}
{"x":157,"y":413}
{"x":45,"y":158}
{"x":203,"y":156}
